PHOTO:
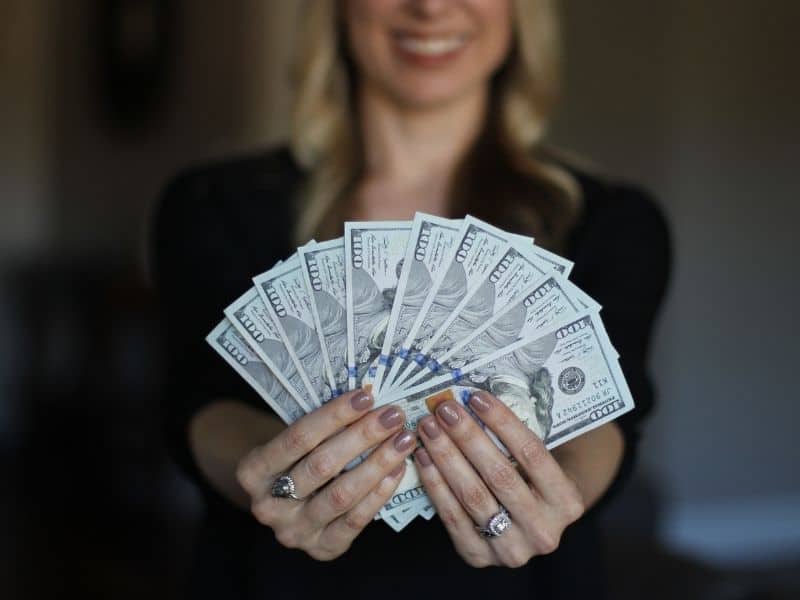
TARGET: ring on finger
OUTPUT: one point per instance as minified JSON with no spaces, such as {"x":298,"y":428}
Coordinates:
{"x":284,"y":487}
{"x":497,"y":524}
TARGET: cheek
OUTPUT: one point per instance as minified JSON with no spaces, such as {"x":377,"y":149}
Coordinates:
{"x":365,"y":32}
{"x":495,"y":41}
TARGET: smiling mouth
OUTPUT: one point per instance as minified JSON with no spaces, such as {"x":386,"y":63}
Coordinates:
{"x":431,"y":46}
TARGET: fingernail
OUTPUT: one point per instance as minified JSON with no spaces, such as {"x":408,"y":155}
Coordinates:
{"x":423,"y":458}
{"x":404,"y":441}
{"x":391,"y":417}
{"x":361,"y":401}
{"x":430,"y":428}
{"x":397,"y":470}
{"x":480,"y":403}
{"x":448,"y":413}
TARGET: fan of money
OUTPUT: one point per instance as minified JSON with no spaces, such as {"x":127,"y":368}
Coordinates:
{"x":420,"y":310}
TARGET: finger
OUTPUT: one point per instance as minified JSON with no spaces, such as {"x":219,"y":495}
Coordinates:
{"x":350,"y":488}
{"x":495,"y":469}
{"x":339,"y":535}
{"x":542,"y":470}
{"x":297,"y":440}
{"x":464,"y":481}
{"x":468,"y":543}
{"x":329,"y":458}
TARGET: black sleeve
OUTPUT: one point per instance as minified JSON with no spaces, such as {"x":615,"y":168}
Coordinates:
{"x":199,"y":267}
{"x":622,"y":259}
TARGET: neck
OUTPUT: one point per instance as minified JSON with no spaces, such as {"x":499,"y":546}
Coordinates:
{"x":411,"y":145}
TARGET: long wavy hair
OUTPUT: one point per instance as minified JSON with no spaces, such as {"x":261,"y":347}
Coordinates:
{"x":507,"y":161}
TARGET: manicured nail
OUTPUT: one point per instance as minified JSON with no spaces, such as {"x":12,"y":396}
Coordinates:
{"x":361,"y":401}
{"x":391,"y":417}
{"x":431,"y":428}
{"x":423,"y":458}
{"x":480,"y":402}
{"x":404,"y":441}
{"x":448,"y":413}
{"x":397,"y":470}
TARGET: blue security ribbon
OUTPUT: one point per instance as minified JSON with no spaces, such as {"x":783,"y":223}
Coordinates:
{"x":456,"y":374}
{"x":434,"y":365}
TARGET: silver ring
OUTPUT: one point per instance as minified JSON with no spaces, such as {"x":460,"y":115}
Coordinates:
{"x":498,"y":524}
{"x":283,"y":487}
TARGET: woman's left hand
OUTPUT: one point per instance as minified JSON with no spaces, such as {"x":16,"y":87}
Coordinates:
{"x":469,"y":480}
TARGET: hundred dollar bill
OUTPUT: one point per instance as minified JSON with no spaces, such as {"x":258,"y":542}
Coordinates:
{"x":374,"y":254}
{"x":478,"y":248}
{"x":430,"y":247}
{"x":324,"y":273}
{"x":544,"y":304}
{"x":559,"y":263}
{"x":515,"y":270}
{"x":249,"y":315}
{"x":287,"y":299}
{"x":230,"y":344}
{"x":561,"y":384}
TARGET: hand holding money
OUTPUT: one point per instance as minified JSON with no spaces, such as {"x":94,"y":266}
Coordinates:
{"x":326,"y":511}
{"x":469,"y":480}
{"x":414,"y":311}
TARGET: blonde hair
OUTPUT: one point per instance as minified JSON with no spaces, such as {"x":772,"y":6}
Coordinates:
{"x":324,"y":138}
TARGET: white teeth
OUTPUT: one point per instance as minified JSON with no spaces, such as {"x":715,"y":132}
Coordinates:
{"x":431,"y":46}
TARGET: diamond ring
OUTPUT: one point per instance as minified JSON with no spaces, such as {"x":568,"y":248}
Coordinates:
{"x":498,"y":524}
{"x":283,"y":487}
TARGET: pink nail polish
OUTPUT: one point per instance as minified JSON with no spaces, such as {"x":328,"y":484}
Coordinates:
{"x":403,"y":441}
{"x":423,"y":458}
{"x":480,"y":402}
{"x":361,"y":401}
{"x":431,"y":428}
{"x":391,"y":417}
{"x":448,"y":413}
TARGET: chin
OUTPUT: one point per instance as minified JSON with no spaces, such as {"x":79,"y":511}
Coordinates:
{"x":425,"y":95}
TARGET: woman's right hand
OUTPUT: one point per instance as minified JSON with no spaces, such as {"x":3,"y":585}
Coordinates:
{"x":334,"y":507}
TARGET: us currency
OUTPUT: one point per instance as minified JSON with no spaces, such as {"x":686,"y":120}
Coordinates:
{"x":541,"y":306}
{"x":324,"y":274}
{"x":559,"y":263}
{"x":516,"y":269}
{"x":287,"y":299}
{"x":230,"y":344}
{"x":478,"y":249}
{"x":562,"y":384}
{"x":430,"y":246}
{"x":249,"y":315}
{"x":374,"y":254}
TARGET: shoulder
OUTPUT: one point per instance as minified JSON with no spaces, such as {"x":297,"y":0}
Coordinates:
{"x":242,"y":189}
{"x":619,"y":217}
{"x":247,"y":199}
{"x":617,"y":201}
{"x":231,"y":179}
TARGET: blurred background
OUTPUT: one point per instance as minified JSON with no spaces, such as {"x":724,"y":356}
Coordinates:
{"x":102,"y":101}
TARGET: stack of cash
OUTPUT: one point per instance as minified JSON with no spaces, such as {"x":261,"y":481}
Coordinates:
{"x":421,"y":311}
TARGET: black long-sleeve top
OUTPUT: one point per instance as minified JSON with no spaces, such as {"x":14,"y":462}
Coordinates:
{"x":220,"y":224}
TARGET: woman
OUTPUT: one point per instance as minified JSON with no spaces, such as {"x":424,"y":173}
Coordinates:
{"x":402,"y":106}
